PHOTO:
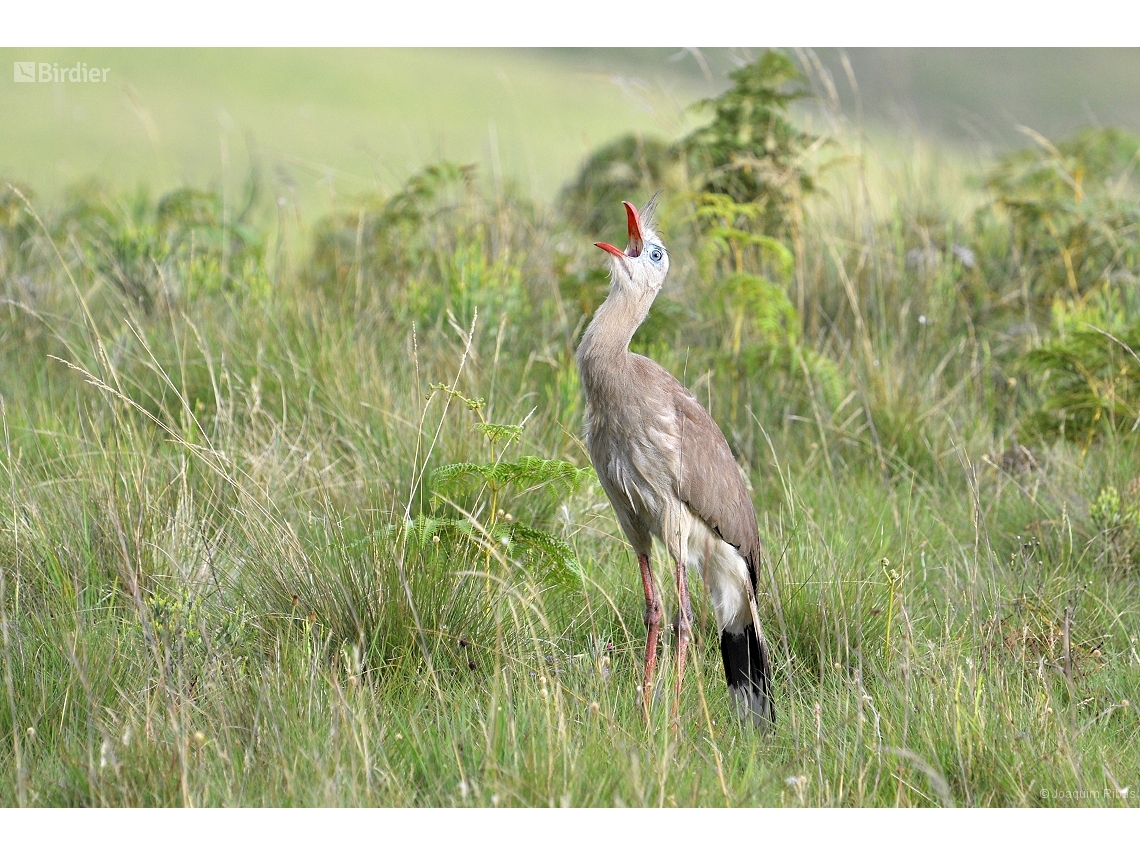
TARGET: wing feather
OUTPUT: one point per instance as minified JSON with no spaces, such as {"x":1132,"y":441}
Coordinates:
{"x":709,"y":480}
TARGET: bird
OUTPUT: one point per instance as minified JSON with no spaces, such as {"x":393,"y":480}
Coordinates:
{"x":669,"y":473}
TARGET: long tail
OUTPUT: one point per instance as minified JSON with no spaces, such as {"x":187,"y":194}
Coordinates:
{"x":749,"y":675}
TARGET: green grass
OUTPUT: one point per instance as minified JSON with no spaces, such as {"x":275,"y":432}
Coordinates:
{"x":208,"y":598}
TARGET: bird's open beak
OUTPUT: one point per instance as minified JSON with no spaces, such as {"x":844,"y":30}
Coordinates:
{"x":636,"y":244}
{"x":633,"y":223}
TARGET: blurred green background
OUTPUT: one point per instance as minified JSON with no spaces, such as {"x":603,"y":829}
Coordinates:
{"x":336,"y":121}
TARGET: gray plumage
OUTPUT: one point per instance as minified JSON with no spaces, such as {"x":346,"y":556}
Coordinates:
{"x":669,"y":473}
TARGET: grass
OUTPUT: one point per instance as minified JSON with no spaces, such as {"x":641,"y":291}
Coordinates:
{"x":209,"y":596}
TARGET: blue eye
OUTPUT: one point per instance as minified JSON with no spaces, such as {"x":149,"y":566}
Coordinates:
{"x":655,"y":254}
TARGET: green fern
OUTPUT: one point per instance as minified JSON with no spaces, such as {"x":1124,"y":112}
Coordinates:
{"x":750,"y":151}
{"x":424,"y":528}
{"x":498,"y":531}
{"x":525,"y":473}
{"x":562,"y":565}
{"x":534,"y":548}
{"x":496,"y":433}
{"x":733,"y":237}
{"x":761,"y":328}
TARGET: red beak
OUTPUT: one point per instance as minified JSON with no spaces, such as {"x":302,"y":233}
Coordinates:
{"x":633,"y":224}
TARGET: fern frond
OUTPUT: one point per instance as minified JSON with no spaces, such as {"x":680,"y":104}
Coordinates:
{"x":529,"y":472}
{"x":499,"y":433}
{"x":453,"y":473}
{"x":561,"y":565}
{"x":423,"y":528}
{"x":525,"y":473}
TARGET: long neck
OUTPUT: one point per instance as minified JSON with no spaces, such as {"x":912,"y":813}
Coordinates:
{"x":605,"y":344}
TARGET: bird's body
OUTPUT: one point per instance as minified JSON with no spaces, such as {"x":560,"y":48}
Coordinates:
{"x":669,"y":473}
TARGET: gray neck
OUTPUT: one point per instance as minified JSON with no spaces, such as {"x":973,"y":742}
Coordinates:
{"x":605,"y":344}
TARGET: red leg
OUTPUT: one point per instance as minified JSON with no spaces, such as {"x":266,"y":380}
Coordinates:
{"x":684,"y":631}
{"x":653,"y":614}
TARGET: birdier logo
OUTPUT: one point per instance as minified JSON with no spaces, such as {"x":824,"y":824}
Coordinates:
{"x":52,"y":72}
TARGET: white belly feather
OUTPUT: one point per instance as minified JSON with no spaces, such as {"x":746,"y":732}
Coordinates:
{"x":721,"y":567}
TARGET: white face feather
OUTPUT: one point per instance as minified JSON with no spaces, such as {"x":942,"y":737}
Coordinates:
{"x":646,"y":272}
{"x":637,"y":275}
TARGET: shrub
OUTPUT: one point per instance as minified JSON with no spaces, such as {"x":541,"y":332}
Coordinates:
{"x":435,"y":246}
{"x":760,"y":329}
{"x":1074,"y":211}
{"x":631,"y":167}
{"x":179,"y":247}
{"x":1116,"y":521}
{"x":1089,"y":373}
{"x":750,"y":151}
{"x":390,"y":239}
